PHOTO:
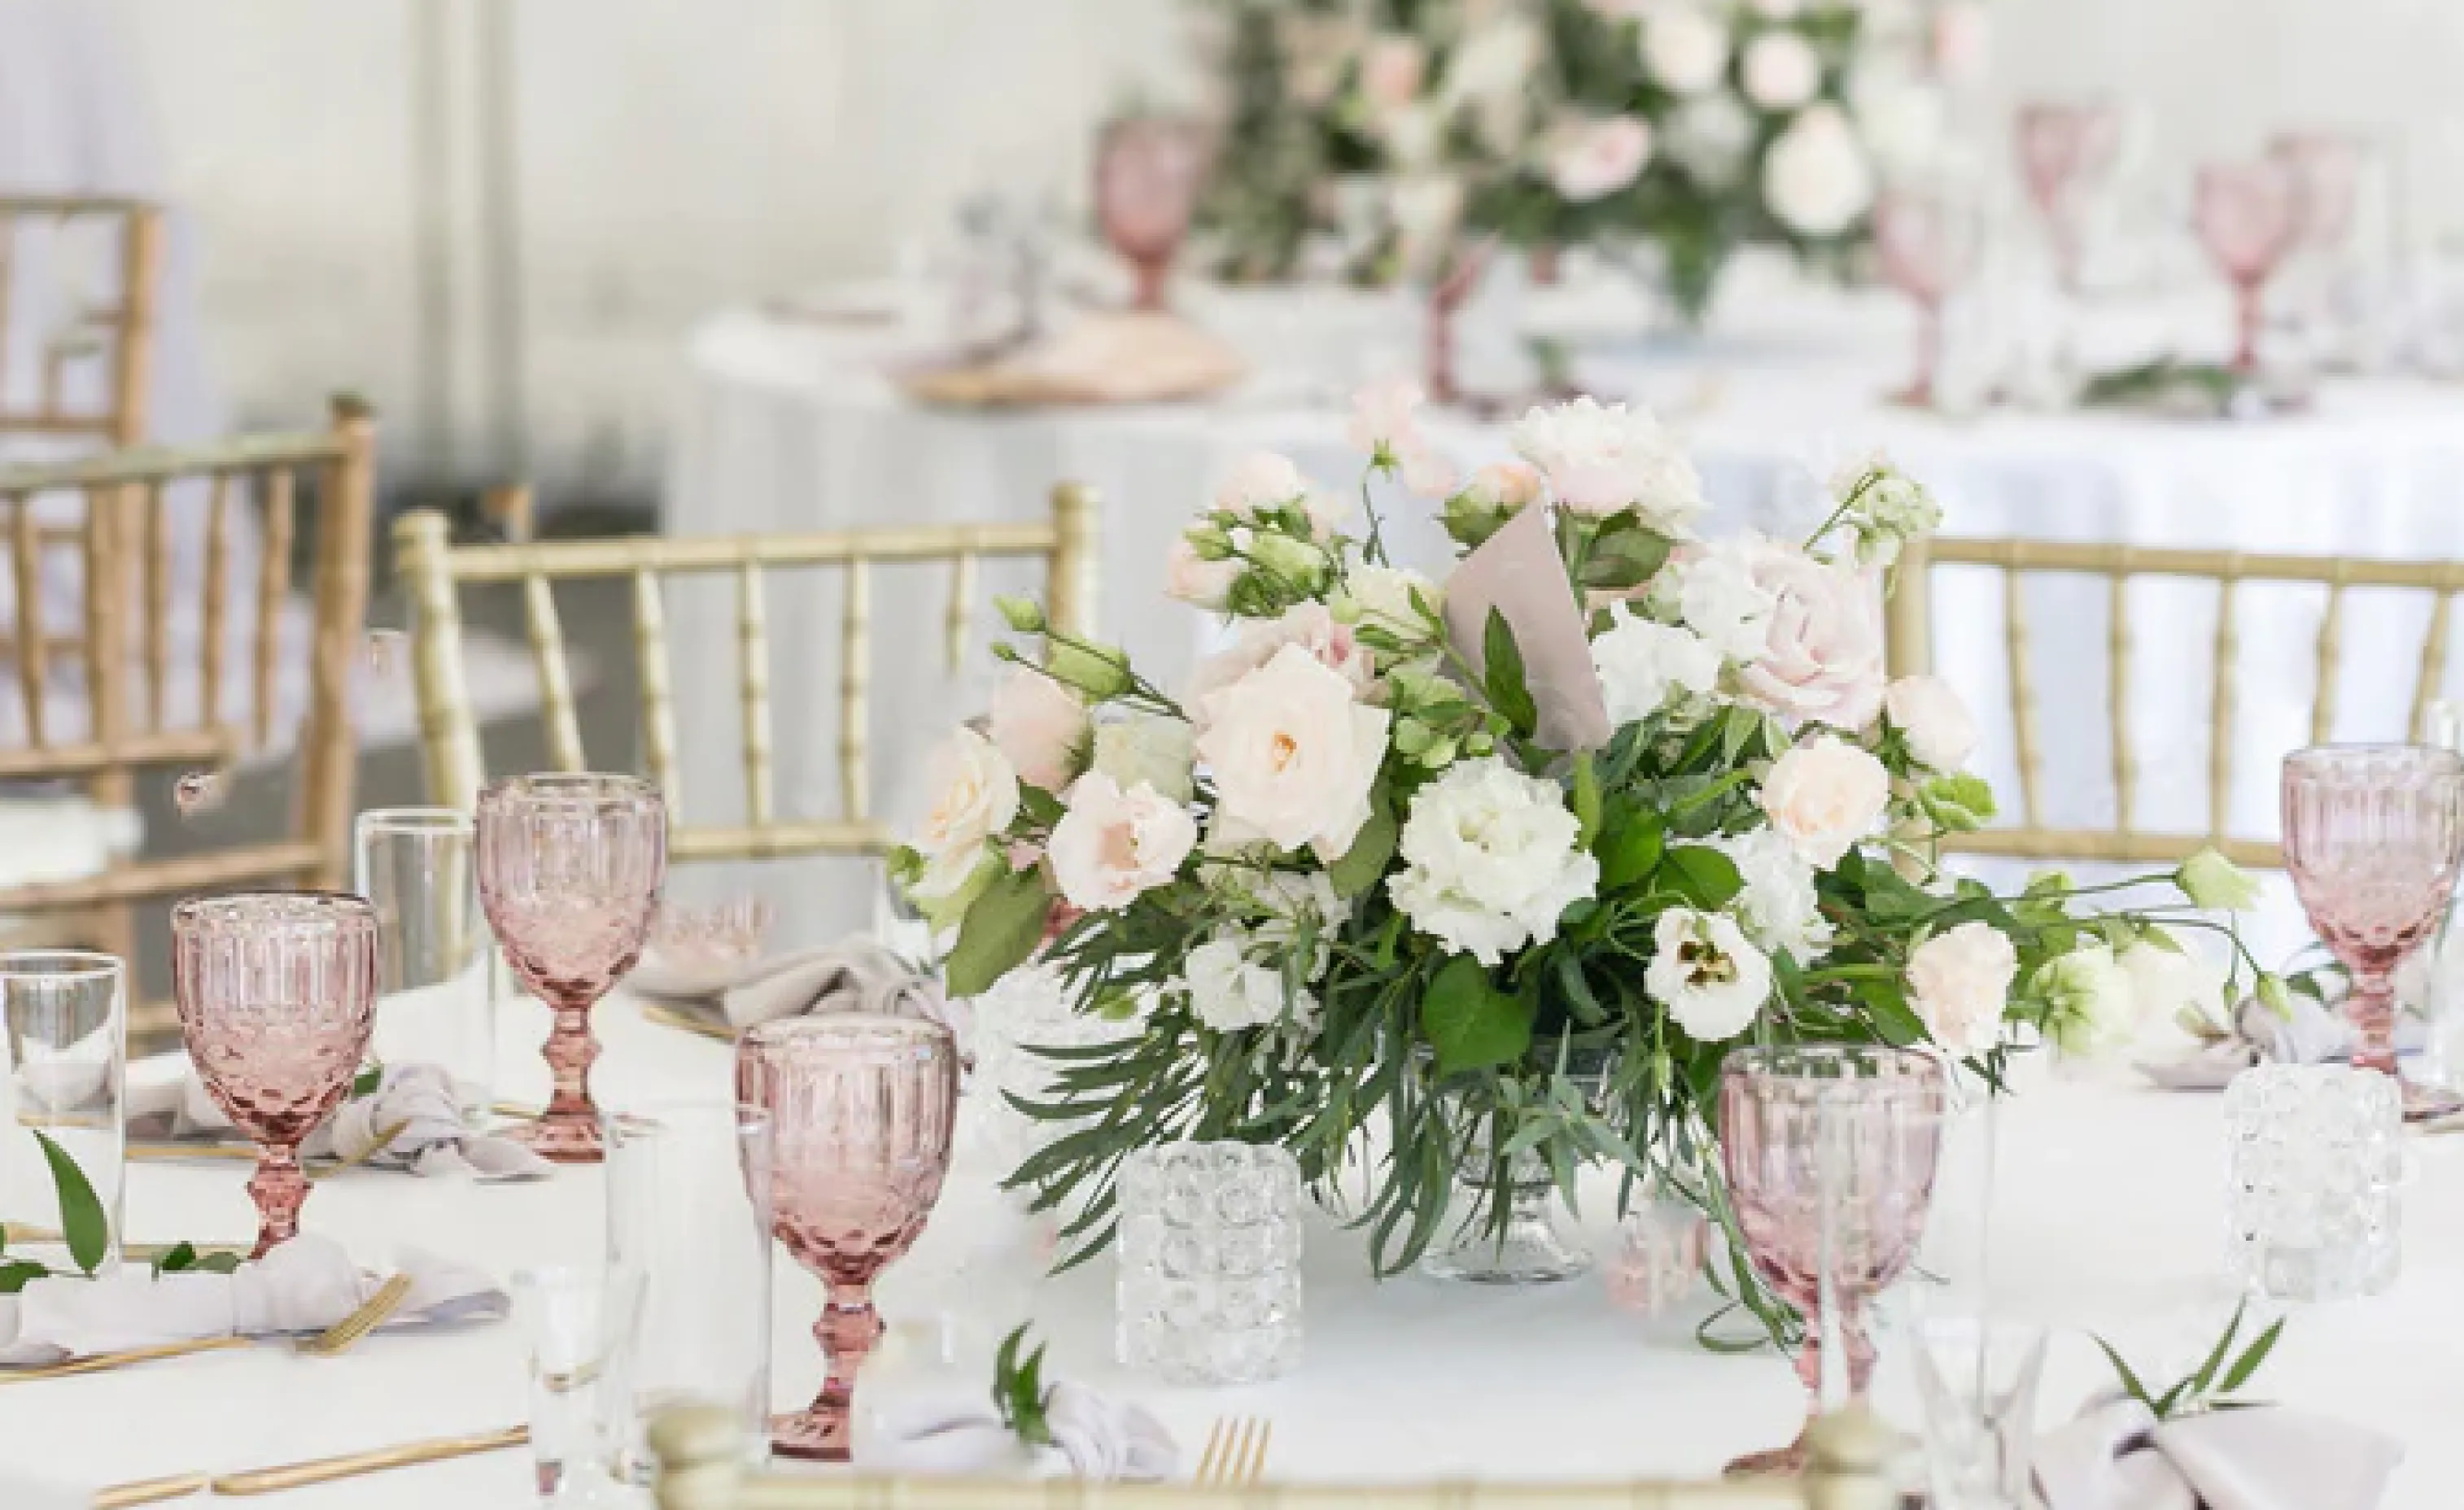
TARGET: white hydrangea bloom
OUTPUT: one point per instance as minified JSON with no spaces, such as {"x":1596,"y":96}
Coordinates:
{"x":1490,"y":859}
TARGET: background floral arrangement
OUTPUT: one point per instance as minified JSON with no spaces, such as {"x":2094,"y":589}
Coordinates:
{"x":1687,"y":127}
{"x":1354,"y":877}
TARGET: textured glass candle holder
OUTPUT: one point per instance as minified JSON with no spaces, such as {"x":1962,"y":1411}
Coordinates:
{"x":1209,"y":1290}
{"x":2316,"y":1155}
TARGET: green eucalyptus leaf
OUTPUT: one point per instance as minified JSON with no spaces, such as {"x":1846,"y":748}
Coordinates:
{"x":1470,"y":1023}
{"x":83,"y":1222}
{"x":1001,"y":931}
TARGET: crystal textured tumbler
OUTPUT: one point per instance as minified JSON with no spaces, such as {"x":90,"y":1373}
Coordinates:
{"x":1209,"y":1288}
{"x":436,"y":962}
{"x":63,"y":1070}
{"x":2316,"y":1157}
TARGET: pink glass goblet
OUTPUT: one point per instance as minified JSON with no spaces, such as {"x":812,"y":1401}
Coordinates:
{"x":1920,"y":237}
{"x":1830,"y":1152}
{"x":1148,"y":173}
{"x":277,"y":994}
{"x":570,"y":874}
{"x":2066,"y":149}
{"x":2371,"y":838}
{"x":2246,"y":219}
{"x":861,"y":1109}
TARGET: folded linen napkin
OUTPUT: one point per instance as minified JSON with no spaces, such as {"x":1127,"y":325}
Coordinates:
{"x":854,"y":975}
{"x":305,"y":1285}
{"x":2313,"y":1034}
{"x":418,"y":1099}
{"x":1095,"y":1436}
{"x":2117,"y":1455}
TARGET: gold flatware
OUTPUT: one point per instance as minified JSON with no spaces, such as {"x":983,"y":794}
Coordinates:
{"x":669,"y":1016}
{"x":138,"y":1252}
{"x":150,"y":1491}
{"x":334,"y":1341}
{"x":384,"y":1140}
{"x":373,"y":1312}
{"x":519,"y":1110}
{"x":199,"y":1149}
{"x":1236,"y":1451}
{"x":348,"y":1465}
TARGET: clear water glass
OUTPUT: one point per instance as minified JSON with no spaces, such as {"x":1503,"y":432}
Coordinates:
{"x":1976,"y":1382}
{"x":2317,"y":1156}
{"x":63,"y":1071}
{"x":689,"y":1223}
{"x":573,"y":1323}
{"x":1209,"y":1286}
{"x":437,"y":975}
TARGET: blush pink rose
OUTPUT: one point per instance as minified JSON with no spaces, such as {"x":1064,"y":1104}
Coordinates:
{"x":1294,"y":753}
{"x":1042,"y":726}
{"x":1959,"y":981}
{"x":1114,"y":844}
{"x":1312,"y":626}
{"x":1824,"y":796}
{"x":1932,"y":716}
{"x":1821,"y":657}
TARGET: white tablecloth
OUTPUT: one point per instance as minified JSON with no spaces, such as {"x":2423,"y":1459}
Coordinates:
{"x":2109,"y":1216}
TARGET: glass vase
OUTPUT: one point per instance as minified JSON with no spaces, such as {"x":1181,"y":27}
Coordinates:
{"x":1511,"y":1231}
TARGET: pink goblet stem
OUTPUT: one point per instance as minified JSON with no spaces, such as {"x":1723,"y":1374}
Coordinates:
{"x":280,"y":1186}
{"x":568,"y":1129}
{"x":848,"y":1331}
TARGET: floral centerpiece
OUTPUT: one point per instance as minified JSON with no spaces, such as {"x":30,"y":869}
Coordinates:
{"x":1474,"y":883}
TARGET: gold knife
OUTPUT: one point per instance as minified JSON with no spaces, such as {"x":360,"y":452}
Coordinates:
{"x":149,"y":1490}
{"x":322,"y":1470}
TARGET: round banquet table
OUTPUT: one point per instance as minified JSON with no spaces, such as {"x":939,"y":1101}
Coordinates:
{"x":2108,"y":1216}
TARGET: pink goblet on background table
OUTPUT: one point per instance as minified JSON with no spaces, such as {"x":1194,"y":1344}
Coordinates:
{"x":1148,"y":173}
{"x":570,"y":874}
{"x":277,"y":994}
{"x":861,"y":1109}
{"x":1924,"y":238}
{"x":2246,"y":218}
{"x":2067,"y":149}
{"x":1830,"y":1153}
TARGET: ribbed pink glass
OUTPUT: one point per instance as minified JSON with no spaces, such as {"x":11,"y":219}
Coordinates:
{"x":1829,"y":1147}
{"x":2066,"y":151}
{"x":2247,"y":218}
{"x":570,"y":874}
{"x":276,"y":992}
{"x":1922,"y":237}
{"x":2371,"y":834}
{"x":1148,"y":173}
{"x":861,"y":1109}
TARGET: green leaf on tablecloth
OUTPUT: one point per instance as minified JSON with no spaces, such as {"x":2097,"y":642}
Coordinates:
{"x":181,"y":1258}
{"x":83,"y":1222}
{"x":18,"y":1273}
{"x":1471,"y":1023}
{"x":2248,"y":1363}
{"x":224,"y":1261}
{"x":1001,"y":931}
{"x":1018,"y":1390}
{"x":366,"y":1082}
{"x":2130,"y":1384}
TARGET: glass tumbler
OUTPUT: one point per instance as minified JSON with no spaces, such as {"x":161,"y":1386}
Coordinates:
{"x":436,"y":961}
{"x":2316,"y":1154}
{"x":572,"y":1323}
{"x":63,"y":1062}
{"x":689,"y":1189}
{"x":1209,"y":1286}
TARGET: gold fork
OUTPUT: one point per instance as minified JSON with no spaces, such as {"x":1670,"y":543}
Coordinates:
{"x":373,"y":1312}
{"x":1236,"y":1453}
{"x":334,"y":1340}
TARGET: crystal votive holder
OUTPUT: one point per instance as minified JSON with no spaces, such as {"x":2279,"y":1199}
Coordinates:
{"x":1658,"y":1258}
{"x":2316,"y":1155}
{"x":1209,"y":1291}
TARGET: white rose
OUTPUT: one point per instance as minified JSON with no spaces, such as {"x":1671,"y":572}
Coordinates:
{"x":1492,"y":63}
{"x":1712,"y":981}
{"x":1602,"y":459}
{"x":1384,"y":596}
{"x":2087,"y":1000}
{"x":1312,"y":626}
{"x":1719,"y":598}
{"x":1591,"y":160}
{"x":1229,"y":990}
{"x":1148,"y":748}
{"x":1490,"y":859}
{"x":1825,"y":795}
{"x":1643,"y":664}
{"x":1294,"y":753}
{"x":1932,"y":716}
{"x":1709,"y":136}
{"x":1040,"y":726}
{"x":1816,"y":179}
{"x":1684,"y":50}
{"x":1195,"y":580}
{"x":1781,"y":70}
{"x":1114,"y":844}
{"x":1959,"y":981}
{"x":1821,"y":657}
{"x":1778,"y":905}
{"x":975,"y":798}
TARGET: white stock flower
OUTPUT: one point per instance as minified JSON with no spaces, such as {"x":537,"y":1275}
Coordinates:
{"x":1195,"y":580}
{"x":1684,"y":48}
{"x":1816,"y":179}
{"x":1709,"y":136}
{"x":1778,"y":905}
{"x":1232,"y":984}
{"x":1712,"y":980}
{"x":1825,"y":795}
{"x":1040,"y":726}
{"x":1932,"y":716}
{"x":1149,"y":748}
{"x":975,"y":798}
{"x":1780,"y":69}
{"x":1593,"y":159}
{"x":1642,"y":664}
{"x":1599,"y":459}
{"x":1114,"y":844}
{"x":1383,"y":596}
{"x":1489,"y":859}
{"x":1294,"y":753}
{"x":2087,"y":998}
{"x":1959,"y":982}
{"x":1719,"y":598}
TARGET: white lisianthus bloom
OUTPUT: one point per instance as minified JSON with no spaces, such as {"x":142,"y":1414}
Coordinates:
{"x":1959,"y":982}
{"x":1932,"y":716}
{"x":1684,"y":48}
{"x":1113,"y":844}
{"x":1490,"y":859}
{"x":2087,"y":998}
{"x":1600,"y":459}
{"x":1780,"y":69}
{"x":1234,"y":984}
{"x":1709,"y":136}
{"x":1643,"y":664}
{"x":1825,"y":795}
{"x":1591,"y":160}
{"x":1149,"y":748}
{"x":1719,"y":598}
{"x":2212,"y":882}
{"x":975,"y":798}
{"x":1778,"y":905}
{"x":1294,"y":753}
{"x":1386,"y":416}
{"x":1703,"y":970}
{"x":1383,"y":596}
{"x":1817,"y":178}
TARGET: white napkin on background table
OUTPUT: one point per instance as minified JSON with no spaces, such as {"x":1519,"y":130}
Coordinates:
{"x":2314,"y":1034}
{"x":304,"y":1285}
{"x":855,"y":974}
{"x":1098,"y":1437}
{"x":2117,"y":1455}
{"x":434,"y":1139}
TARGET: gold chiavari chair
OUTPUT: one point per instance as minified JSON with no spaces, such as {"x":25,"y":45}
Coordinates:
{"x":129,"y":731}
{"x":433,"y":570}
{"x":1911,"y":643}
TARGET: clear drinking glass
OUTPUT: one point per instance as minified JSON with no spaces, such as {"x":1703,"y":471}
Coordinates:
{"x":436,"y":961}
{"x":1209,"y":1285}
{"x":1976,"y":1379}
{"x":2317,"y":1156}
{"x":1658,"y":1259}
{"x":688,"y":1222}
{"x":573,"y":1321}
{"x":63,"y":1063}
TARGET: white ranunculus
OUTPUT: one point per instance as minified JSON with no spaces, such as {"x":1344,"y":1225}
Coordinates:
{"x":1599,"y":459}
{"x":1712,"y":980}
{"x":1825,"y":795}
{"x":1294,"y":753}
{"x":1684,"y":48}
{"x":1233,"y":985}
{"x":1113,"y":844}
{"x":1643,"y":664}
{"x":1040,"y":726}
{"x":1959,"y":982}
{"x":1709,"y":136}
{"x":975,"y":798}
{"x":1780,"y":69}
{"x":1592,"y":159}
{"x":1195,"y":580}
{"x":1149,"y":748}
{"x":1817,"y":178}
{"x":1932,"y":716}
{"x":1490,"y":859}
{"x":2087,"y":998}
{"x":1312,"y":626}
{"x":1778,"y":905}
{"x":1492,"y":63}
{"x":1821,"y":657}
{"x":1383,"y":596}
{"x":1719,"y":598}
